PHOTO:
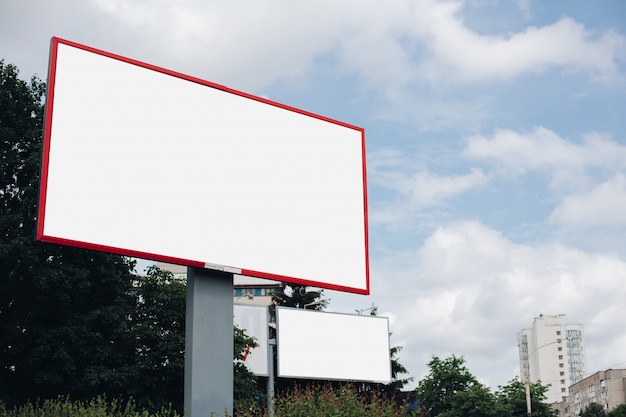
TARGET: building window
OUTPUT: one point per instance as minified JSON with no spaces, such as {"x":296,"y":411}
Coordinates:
{"x":562,"y":373}
{"x":560,"y":349}
{"x":562,"y":381}
{"x":560,"y":356}
{"x":558,"y":332}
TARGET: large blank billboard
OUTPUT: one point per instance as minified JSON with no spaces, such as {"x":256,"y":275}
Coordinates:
{"x":147,"y":162}
{"x":318,"y":345}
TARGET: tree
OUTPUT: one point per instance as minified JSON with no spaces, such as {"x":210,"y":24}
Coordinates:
{"x":593,"y":410}
{"x":445,"y":378}
{"x":514,"y":396}
{"x":619,"y":411}
{"x":156,"y":335}
{"x":156,"y":329}
{"x":246,"y":390}
{"x":71,"y":322}
{"x":297,"y":296}
{"x":476,"y":401}
{"x":60,"y":307}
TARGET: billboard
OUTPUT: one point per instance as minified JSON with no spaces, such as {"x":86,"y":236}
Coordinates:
{"x":254,"y":320}
{"x":319,"y":345}
{"x":146,"y":162}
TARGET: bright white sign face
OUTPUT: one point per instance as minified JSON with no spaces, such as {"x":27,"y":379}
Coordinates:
{"x":319,"y":345}
{"x":254,"y":320}
{"x":146,"y":162}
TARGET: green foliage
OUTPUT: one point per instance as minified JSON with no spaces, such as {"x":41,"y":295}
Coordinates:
{"x":98,"y":407}
{"x":297,"y":296}
{"x":445,"y":378}
{"x":328,"y":401}
{"x":246,"y":392}
{"x":476,"y":401}
{"x":60,"y":307}
{"x":514,"y":396}
{"x":619,"y":411}
{"x":450,"y":390}
{"x":593,"y":410}
{"x":156,"y":331}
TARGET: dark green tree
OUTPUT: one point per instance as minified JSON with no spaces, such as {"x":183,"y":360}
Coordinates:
{"x":445,"y":379}
{"x":156,"y":328}
{"x":593,"y":410}
{"x":476,"y":401}
{"x":60,"y":307}
{"x":298,"y":296}
{"x":514,"y":396}
{"x":246,"y":389}
{"x":619,"y":411}
{"x":71,"y":322}
{"x":156,"y":332}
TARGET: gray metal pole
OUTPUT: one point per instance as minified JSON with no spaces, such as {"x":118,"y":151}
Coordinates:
{"x":209,"y":343}
{"x":271,"y":344}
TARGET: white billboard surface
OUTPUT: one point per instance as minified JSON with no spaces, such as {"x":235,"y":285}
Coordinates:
{"x":320,"y":345}
{"x":146,"y":162}
{"x":254,"y":320}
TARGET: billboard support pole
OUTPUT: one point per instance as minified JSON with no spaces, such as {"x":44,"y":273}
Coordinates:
{"x":271,"y":344}
{"x":209,"y":343}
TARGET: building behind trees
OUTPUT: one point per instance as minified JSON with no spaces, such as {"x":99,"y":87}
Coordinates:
{"x":552,"y":352}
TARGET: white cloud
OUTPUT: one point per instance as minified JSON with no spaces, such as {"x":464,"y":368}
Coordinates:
{"x":514,"y":153}
{"x":395,"y":48}
{"x":603,"y":205}
{"x":426,"y":189}
{"x":471,"y":290}
{"x":375,"y":40}
{"x":475,"y":57}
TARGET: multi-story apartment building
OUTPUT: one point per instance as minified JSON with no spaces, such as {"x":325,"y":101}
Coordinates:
{"x":246,"y":290}
{"x":607,"y":388}
{"x":554,"y":353}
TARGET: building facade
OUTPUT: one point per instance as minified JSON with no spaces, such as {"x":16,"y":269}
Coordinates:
{"x":552,"y":352}
{"x":607,"y":388}
{"x":246,"y":290}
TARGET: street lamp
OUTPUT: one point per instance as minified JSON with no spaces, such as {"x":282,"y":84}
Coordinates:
{"x":373,"y":310}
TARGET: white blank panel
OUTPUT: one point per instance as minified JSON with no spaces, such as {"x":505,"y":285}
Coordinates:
{"x":254,"y":320}
{"x":146,"y":162}
{"x":320,"y":345}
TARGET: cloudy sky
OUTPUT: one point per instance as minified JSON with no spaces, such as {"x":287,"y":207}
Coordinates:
{"x":496,"y":144}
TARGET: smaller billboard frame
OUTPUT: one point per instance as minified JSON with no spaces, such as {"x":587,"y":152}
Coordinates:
{"x":254,"y":319}
{"x":332,"y":346}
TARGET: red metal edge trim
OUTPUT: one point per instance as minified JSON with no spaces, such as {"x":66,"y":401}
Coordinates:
{"x":45,"y":155}
{"x":122,"y":252}
{"x":365,"y":216}
{"x":309,"y":283}
{"x":138,"y":254}
{"x":197,"y":264}
{"x":202,"y":82}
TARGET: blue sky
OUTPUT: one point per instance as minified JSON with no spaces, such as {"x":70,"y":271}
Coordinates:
{"x":495,"y":133}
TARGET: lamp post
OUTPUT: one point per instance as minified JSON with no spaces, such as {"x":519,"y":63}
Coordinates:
{"x":373,"y":309}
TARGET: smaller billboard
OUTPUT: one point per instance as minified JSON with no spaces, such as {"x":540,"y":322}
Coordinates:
{"x":253,"y":319}
{"x":319,"y":345}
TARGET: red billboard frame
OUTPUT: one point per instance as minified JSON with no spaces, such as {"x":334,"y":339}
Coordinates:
{"x":50,"y":196}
